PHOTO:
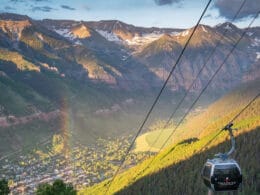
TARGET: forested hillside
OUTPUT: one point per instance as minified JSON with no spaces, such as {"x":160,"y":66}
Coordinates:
{"x":176,"y":170}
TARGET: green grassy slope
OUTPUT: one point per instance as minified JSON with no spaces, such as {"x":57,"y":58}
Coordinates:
{"x":151,"y":138}
{"x":183,"y":177}
{"x":221,"y":110}
{"x":176,"y":170}
{"x":207,"y":120}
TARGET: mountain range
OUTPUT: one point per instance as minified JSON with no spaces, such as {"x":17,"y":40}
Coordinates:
{"x":105,"y":74}
{"x":115,"y":53}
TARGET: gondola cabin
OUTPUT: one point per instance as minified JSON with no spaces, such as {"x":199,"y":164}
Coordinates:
{"x":222,"y":175}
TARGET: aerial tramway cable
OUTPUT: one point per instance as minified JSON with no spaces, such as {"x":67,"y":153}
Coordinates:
{"x":232,"y":120}
{"x":203,"y":90}
{"x":197,"y":76}
{"x":214,"y":75}
{"x":223,"y":173}
{"x":157,"y":98}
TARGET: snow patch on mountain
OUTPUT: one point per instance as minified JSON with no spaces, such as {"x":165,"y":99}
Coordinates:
{"x":68,"y":35}
{"x":256,"y":42}
{"x":228,"y":27}
{"x":109,"y":36}
{"x":183,"y":33}
{"x":144,"y":39}
{"x":78,"y":42}
{"x":40,"y":36}
{"x":124,"y":57}
{"x":204,"y":29}
{"x":174,"y":33}
{"x":257,"y":56}
{"x":249,"y":33}
{"x":136,"y":40}
{"x":65,"y":33}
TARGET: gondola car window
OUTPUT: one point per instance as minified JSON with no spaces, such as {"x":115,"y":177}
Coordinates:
{"x":206,"y":171}
{"x":231,"y":170}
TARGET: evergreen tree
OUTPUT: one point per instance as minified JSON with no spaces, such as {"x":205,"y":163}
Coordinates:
{"x":57,"y":188}
{"x":4,"y":189}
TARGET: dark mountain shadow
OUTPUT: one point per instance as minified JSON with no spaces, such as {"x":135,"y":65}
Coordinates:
{"x":184,"y":178}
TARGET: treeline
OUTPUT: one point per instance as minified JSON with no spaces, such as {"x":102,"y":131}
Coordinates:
{"x":58,"y":187}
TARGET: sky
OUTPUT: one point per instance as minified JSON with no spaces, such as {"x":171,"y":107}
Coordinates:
{"x":146,"y":13}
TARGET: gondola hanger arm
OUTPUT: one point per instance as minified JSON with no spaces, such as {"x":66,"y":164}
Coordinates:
{"x":226,"y":155}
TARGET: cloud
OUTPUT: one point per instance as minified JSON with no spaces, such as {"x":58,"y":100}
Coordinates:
{"x":28,"y":1}
{"x":9,"y":8}
{"x":208,"y":16}
{"x":17,"y":1}
{"x":86,"y":7}
{"x":42,"y":8}
{"x":166,"y":2}
{"x":67,"y":7}
{"x":228,"y":8}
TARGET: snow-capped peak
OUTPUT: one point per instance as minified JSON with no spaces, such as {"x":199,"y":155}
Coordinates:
{"x":228,"y":27}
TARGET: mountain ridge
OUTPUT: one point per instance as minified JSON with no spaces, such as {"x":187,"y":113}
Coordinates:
{"x":76,"y":50}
